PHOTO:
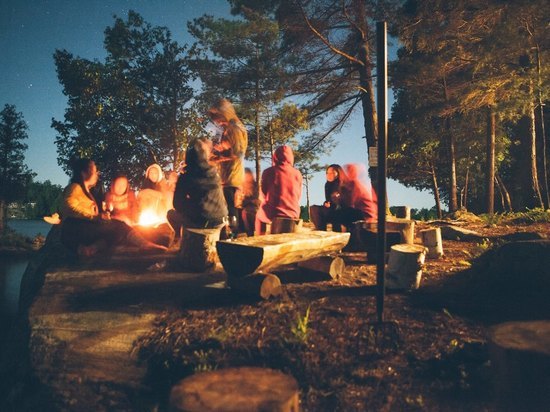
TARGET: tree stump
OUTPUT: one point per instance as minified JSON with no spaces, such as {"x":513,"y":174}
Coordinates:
{"x":331,"y":267}
{"x":236,"y":389}
{"x":431,"y":238}
{"x":403,"y":212}
{"x":520,"y":355}
{"x":198,"y":249}
{"x":403,"y":226}
{"x":256,"y":285}
{"x":369,"y":239}
{"x":285,"y":225}
{"x":405,"y":266}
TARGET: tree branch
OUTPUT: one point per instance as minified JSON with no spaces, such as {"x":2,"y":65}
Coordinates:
{"x":324,"y":39}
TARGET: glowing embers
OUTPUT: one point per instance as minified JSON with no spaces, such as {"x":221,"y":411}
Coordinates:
{"x":149,"y":217}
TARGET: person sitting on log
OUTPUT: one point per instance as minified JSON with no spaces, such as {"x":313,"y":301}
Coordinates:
{"x":361,"y":200}
{"x":282,"y":189}
{"x":121,"y":201}
{"x":85,"y":229}
{"x":198,"y":198}
{"x":335,"y":194}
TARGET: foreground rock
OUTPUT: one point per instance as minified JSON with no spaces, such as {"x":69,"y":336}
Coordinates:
{"x":83,"y":325}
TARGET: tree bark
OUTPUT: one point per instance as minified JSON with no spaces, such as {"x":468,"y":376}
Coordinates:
{"x":535,"y":198}
{"x":436,"y":192}
{"x":490,"y":157}
{"x":3,"y":208}
{"x":453,"y":199}
{"x":542,"y":130}
{"x":506,"y":200}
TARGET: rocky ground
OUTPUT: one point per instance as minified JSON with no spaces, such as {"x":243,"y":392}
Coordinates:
{"x":429,"y":354}
{"x":93,"y":328}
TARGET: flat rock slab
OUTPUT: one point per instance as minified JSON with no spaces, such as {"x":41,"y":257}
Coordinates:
{"x":84,"y":324}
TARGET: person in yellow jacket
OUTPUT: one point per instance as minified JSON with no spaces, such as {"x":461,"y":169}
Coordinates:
{"x":229,"y":153}
{"x":85,"y":229}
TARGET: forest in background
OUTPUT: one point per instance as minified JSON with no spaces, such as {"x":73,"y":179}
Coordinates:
{"x":470,"y":83}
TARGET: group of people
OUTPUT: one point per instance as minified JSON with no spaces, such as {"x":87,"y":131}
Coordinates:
{"x":347,"y":199}
{"x":212,"y":190}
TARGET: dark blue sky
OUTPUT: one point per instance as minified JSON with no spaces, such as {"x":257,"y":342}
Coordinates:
{"x":31,"y":30}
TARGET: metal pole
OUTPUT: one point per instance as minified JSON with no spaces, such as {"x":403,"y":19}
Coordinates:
{"x":381,"y":97}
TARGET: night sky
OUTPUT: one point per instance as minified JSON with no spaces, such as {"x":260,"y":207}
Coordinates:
{"x":31,"y":30}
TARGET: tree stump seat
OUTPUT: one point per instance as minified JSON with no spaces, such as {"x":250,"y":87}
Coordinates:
{"x":198,"y":249}
{"x":246,"y":389}
{"x":431,"y":238}
{"x":405,"y":266}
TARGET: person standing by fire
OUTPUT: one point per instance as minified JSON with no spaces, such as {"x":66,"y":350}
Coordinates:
{"x":229,"y":154}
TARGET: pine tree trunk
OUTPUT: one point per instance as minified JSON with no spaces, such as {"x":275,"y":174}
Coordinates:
{"x":3,"y":214}
{"x":257,"y":150}
{"x":542,"y":130}
{"x":464,"y":204}
{"x":453,"y":198}
{"x":535,"y":199}
{"x":505,"y":195}
{"x":490,"y":182}
{"x":436,"y":192}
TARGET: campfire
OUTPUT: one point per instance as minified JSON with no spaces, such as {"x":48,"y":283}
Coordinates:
{"x":151,"y":218}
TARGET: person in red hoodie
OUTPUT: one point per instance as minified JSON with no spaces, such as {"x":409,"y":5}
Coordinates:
{"x":281,"y":186}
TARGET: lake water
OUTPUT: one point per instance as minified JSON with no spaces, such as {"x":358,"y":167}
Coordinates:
{"x":12,"y":269}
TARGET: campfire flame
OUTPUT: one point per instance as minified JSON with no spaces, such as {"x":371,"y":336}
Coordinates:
{"x":150,"y":218}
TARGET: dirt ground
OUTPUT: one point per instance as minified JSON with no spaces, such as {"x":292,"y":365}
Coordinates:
{"x":430,"y":353}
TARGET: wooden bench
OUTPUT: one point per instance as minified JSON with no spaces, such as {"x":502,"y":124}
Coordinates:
{"x":243,"y":256}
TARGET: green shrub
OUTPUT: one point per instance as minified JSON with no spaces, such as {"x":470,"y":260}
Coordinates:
{"x":537,"y":215}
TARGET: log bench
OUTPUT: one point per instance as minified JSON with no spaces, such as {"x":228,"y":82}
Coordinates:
{"x":241,"y":257}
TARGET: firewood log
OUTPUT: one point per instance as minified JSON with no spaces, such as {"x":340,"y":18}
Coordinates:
{"x":257,"y":285}
{"x":332,"y":267}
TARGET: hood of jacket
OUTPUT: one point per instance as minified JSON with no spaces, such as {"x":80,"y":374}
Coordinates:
{"x":283,"y":155}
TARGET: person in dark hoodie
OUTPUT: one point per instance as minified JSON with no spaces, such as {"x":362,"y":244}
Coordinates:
{"x":282,"y":189}
{"x":198,"y":198}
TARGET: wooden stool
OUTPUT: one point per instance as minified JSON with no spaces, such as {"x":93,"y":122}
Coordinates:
{"x":198,"y":249}
{"x":520,"y":355}
{"x":405,"y":266}
{"x":431,"y":238}
{"x":236,"y":389}
{"x":403,"y":226}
